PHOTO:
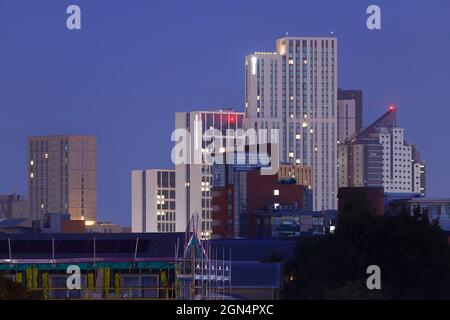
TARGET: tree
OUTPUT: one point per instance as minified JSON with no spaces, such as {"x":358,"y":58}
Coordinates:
{"x":412,"y":253}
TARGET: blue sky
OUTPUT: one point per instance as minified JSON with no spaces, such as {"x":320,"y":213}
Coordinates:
{"x":135,"y":63}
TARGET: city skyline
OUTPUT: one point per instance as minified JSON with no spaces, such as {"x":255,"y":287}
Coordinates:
{"x":116,"y":104}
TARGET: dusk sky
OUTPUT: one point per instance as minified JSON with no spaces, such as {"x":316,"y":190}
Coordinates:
{"x":135,"y":63}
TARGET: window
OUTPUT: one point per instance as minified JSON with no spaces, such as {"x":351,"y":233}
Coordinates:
{"x":276,"y":192}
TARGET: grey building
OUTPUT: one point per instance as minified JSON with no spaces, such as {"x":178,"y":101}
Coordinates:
{"x":350,"y":113}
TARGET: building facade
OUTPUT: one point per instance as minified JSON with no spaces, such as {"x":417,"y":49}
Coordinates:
{"x":301,"y":174}
{"x":62,"y":176}
{"x":294,"y":90}
{"x":291,"y":223}
{"x":153,"y":201}
{"x":107,"y":227}
{"x":239,"y":190}
{"x":350,"y":113}
{"x":380,"y":157}
{"x":436,"y":209}
{"x":194,"y":176}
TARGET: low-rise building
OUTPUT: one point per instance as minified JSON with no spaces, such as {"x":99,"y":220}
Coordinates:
{"x":437,"y":209}
{"x":106,"y":227}
{"x":145,"y":265}
{"x":287,"y":222}
{"x":13,"y":206}
{"x":239,"y":190}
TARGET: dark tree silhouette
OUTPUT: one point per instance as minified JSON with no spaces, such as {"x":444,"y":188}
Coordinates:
{"x":10,"y":290}
{"x":412,"y":253}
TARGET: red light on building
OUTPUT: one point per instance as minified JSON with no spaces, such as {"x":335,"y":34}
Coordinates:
{"x":232,"y":119}
{"x":392,"y":108}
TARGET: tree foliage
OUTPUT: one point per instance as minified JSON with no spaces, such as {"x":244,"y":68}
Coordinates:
{"x":412,"y":253}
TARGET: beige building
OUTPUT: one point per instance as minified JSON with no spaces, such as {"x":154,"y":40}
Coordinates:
{"x":380,"y":156}
{"x":62,"y":176}
{"x":13,"y":206}
{"x":302,"y":174}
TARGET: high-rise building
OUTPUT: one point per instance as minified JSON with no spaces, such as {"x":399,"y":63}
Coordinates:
{"x":153,"y":201}
{"x":294,"y":90}
{"x":194,"y":176}
{"x":350,"y":113}
{"x":62,"y":176}
{"x":379,"y":156}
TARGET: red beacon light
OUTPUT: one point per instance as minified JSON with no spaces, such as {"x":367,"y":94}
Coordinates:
{"x":391,"y":108}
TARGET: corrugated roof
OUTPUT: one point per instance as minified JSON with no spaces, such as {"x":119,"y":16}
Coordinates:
{"x":151,"y":245}
{"x":255,"y":275}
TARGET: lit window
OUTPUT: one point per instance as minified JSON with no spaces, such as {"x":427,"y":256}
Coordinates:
{"x":32,"y":175}
{"x":276,"y":192}
{"x":276,"y":205}
{"x":32,"y":162}
{"x":46,"y":156}
{"x":297,"y":136}
{"x":291,"y":154}
{"x":254,"y":64}
{"x":304,"y":125}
